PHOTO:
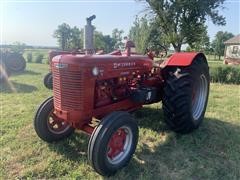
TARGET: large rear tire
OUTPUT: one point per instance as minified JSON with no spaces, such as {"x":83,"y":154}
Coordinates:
{"x":113,"y":143}
{"x":186,"y":95}
{"x":48,"y":126}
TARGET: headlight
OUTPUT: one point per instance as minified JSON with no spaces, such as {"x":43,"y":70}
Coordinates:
{"x":95,"y":71}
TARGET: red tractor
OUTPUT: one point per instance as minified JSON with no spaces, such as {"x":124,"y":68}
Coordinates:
{"x":107,"y":88}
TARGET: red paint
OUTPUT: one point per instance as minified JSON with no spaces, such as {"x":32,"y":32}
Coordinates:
{"x":117,"y":52}
{"x":74,"y":84}
{"x":181,"y":59}
{"x":116,"y":143}
{"x":88,"y":129}
{"x":55,"y":123}
{"x":52,"y":54}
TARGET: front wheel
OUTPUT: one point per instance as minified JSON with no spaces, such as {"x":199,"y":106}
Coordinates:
{"x":48,"y":126}
{"x":113,"y":143}
{"x":186,"y":95}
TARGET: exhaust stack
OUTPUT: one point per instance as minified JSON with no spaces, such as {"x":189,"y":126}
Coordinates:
{"x":88,"y":36}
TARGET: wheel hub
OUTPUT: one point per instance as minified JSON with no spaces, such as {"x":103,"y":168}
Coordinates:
{"x":119,"y":145}
{"x":116,"y":143}
{"x":56,"y":125}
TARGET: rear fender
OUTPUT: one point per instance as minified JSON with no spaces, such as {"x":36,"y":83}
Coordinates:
{"x":182,"y":59}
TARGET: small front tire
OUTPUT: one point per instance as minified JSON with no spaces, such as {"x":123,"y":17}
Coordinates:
{"x":48,"y":126}
{"x":113,"y":143}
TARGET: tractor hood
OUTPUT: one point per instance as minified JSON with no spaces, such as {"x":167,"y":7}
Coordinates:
{"x":106,"y":62}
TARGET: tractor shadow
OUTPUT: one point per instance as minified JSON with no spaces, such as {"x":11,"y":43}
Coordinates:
{"x":150,"y":118}
{"x":212,"y":147}
{"x":15,"y":87}
{"x":26,"y":72}
{"x":73,"y":148}
{"x":164,"y":154}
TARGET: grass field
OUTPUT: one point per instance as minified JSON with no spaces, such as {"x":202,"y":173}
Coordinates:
{"x":211,"y":152}
{"x":36,"y":52}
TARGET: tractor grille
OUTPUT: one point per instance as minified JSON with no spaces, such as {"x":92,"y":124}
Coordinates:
{"x":68,"y":89}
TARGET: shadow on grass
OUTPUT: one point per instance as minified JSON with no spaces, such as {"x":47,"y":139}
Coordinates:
{"x":150,"y":118}
{"x":213,"y":150}
{"x":15,"y":87}
{"x":27,"y":72}
{"x":73,"y":148}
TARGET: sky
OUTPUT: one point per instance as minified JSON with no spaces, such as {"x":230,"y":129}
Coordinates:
{"x":33,"y":22}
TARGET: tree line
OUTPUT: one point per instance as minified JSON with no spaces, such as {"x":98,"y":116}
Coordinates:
{"x":72,"y":38}
{"x":168,"y":23}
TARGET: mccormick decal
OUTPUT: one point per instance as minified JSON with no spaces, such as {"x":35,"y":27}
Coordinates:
{"x":60,"y":65}
{"x":123,"y":64}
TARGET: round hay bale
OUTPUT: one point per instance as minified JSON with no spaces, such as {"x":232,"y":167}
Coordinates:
{"x":15,"y":62}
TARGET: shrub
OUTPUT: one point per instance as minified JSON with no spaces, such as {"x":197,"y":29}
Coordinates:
{"x":29,"y":57}
{"x":39,"y":58}
{"x":225,"y":74}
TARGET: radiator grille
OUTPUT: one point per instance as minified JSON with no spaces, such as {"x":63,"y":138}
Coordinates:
{"x":68,"y":89}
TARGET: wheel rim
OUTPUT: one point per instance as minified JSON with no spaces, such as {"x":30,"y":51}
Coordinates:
{"x":119,"y":145}
{"x":199,"y":96}
{"x":56,"y":125}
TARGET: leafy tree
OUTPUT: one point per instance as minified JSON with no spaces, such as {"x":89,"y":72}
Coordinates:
{"x":104,"y":42}
{"x":202,"y":43}
{"x":117,"y":35}
{"x":75,"y":38}
{"x":18,"y":47}
{"x":63,"y":35}
{"x":139,"y":33}
{"x":146,"y":34}
{"x":69,"y":38}
{"x":98,"y":40}
{"x":109,"y":43}
{"x":181,"y":21}
{"x":218,"y":43}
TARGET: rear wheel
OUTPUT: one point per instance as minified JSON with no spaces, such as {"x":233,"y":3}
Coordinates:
{"x":48,"y":81}
{"x":186,"y":95}
{"x":48,"y":126}
{"x":113,"y":143}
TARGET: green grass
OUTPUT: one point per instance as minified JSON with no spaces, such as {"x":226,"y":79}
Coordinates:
{"x":35,"y":52}
{"x":211,"y":152}
{"x":214,"y":58}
